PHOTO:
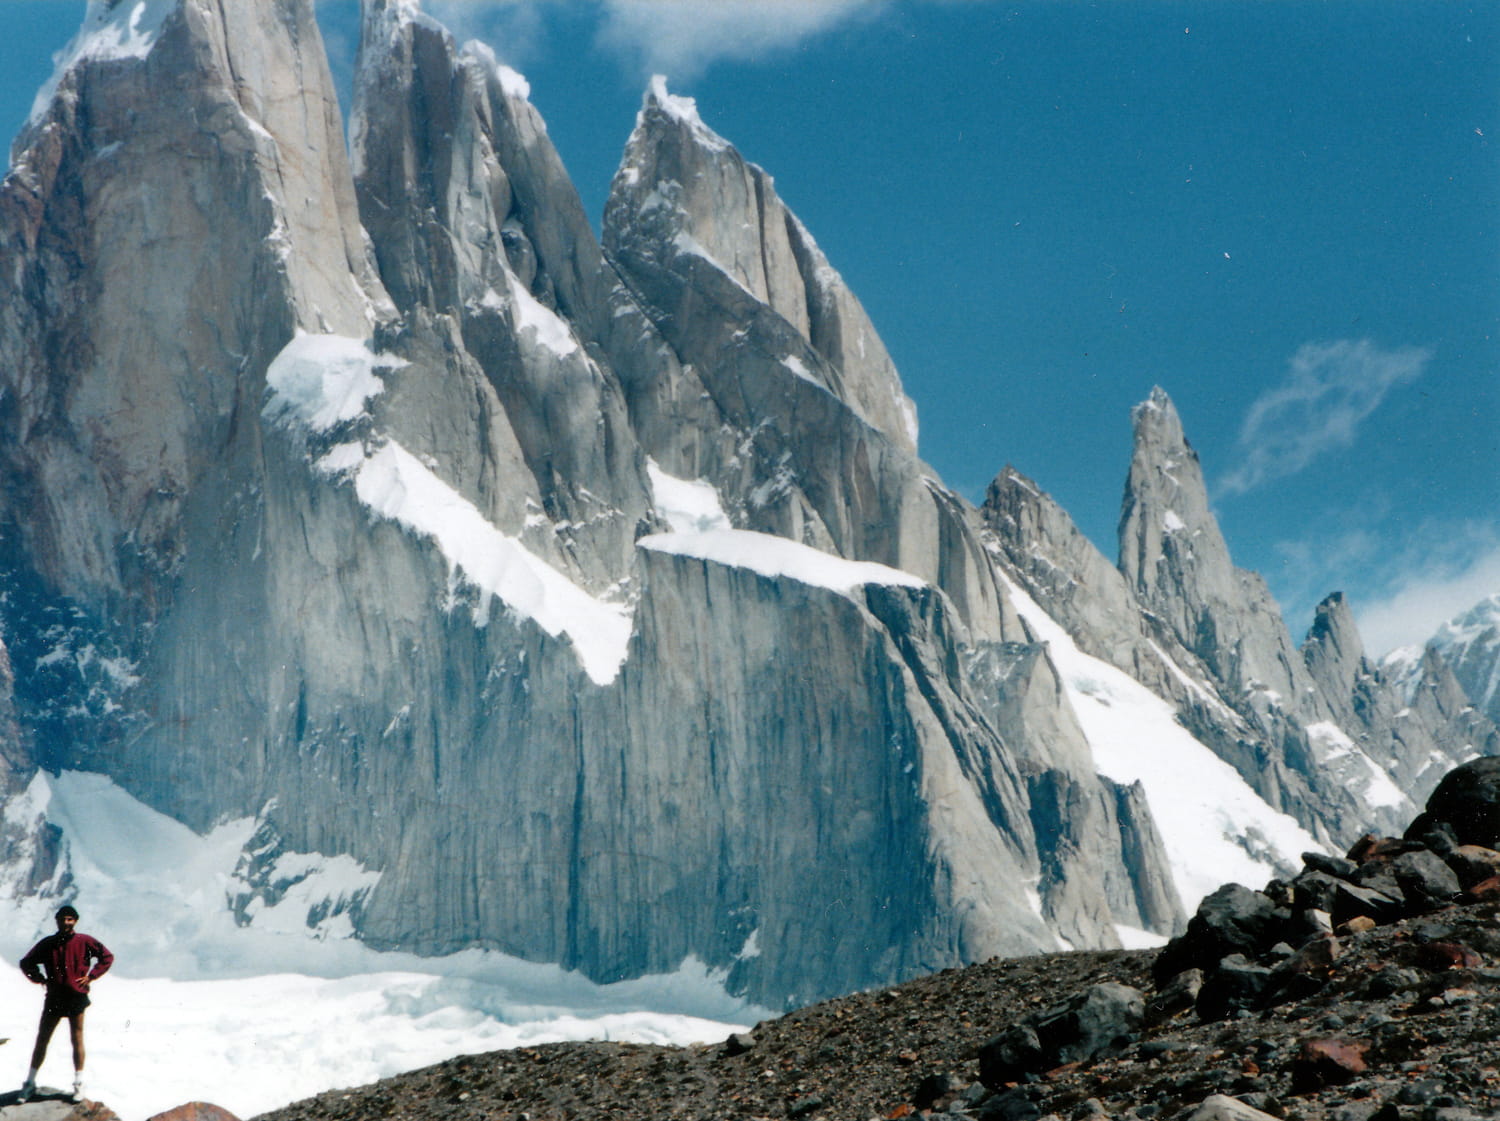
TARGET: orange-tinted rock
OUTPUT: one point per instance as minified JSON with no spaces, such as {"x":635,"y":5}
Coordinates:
{"x":196,"y":1111}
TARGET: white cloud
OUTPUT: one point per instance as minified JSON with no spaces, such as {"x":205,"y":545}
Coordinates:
{"x":1329,"y":390}
{"x":1403,"y":581}
{"x":1427,"y":597}
{"x":681,"y":38}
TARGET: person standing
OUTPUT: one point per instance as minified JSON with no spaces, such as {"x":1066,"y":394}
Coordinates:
{"x":67,"y":963}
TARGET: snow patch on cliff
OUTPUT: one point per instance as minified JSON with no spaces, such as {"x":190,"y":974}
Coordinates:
{"x":320,"y":381}
{"x":396,"y":485}
{"x":687,"y":505}
{"x":776,"y":557}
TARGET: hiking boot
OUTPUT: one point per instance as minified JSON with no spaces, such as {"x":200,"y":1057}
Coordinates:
{"x":28,"y":1091}
{"x":77,"y":1094}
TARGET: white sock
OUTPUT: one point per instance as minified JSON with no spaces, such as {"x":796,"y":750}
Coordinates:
{"x":31,"y":1074}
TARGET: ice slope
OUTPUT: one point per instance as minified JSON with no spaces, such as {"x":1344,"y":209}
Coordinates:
{"x":1215,"y":828}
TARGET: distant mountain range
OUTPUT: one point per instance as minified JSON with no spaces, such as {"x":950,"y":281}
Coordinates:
{"x":587,"y":596}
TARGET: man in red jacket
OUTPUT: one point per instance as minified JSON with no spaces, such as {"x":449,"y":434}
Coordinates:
{"x":66,"y":962}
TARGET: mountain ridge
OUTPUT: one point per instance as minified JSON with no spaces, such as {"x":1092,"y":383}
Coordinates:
{"x":365,"y":540}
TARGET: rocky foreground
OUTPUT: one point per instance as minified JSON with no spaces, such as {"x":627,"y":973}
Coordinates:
{"x":1363,"y":989}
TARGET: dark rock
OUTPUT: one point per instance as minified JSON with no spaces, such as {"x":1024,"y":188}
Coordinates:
{"x":930,"y":1089}
{"x":1103,"y":1018}
{"x":1390,"y":981}
{"x":1439,"y":837}
{"x":1351,"y":901}
{"x":803,"y":1106}
{"x":739,"y":1043}
{"x":1337,"y":866}
{"x":1009,"y":1105}
{"x":1473,"y":864}
{"x":1420,"y":1093}
{"x":1160,"y":1048}
{"x":1233,"y":920}
{"x":1425,"y":880}
{"x":1468,"y":799}
{"x":1236,"y":985}
{"x":1179,"y":994}
{"x":1264,"y":1102}
{"x":1315,"y":891}
{"x":1380,"y":875}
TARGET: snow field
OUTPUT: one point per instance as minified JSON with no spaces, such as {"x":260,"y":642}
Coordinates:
{"x":197,"y":1008}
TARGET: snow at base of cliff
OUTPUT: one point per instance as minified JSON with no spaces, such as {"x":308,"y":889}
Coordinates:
{"x":252,"y":1018}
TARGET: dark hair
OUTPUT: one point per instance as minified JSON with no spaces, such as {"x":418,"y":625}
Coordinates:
{"x":67,"y":911}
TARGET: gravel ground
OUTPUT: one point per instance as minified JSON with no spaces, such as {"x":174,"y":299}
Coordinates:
{"x":1420,"y":1017}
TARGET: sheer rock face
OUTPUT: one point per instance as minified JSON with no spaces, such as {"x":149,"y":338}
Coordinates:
{"x":377,"y":499}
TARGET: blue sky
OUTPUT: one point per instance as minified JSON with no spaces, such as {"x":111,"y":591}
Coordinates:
{"x":1285,"y":214}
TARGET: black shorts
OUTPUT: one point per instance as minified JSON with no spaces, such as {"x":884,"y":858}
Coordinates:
{"x":65,"y":1002}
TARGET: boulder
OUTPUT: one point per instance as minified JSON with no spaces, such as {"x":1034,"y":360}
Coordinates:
{"x":1468,"y":799}
{"x":196,"y":1111}
{"x":1221,"y":1107}
{"x":1338,"y":866}
{"x":1425,"y":880}
{"x":1473,"y":864}
{"x":1177,"y":995}
{"x":1237,"y":984}
{"x":1232,"y":920}
{"x":1351,"y":902}
{"x":1104,"y":1018}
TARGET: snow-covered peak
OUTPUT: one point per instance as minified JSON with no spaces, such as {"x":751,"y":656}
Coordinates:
{"x":683,"y":110}
{"x":513,"y":82}
{"x":386,"y":18}
{"x":1470,"y":645}
{"x":1476,"y":624}
{"x":111,"y":29}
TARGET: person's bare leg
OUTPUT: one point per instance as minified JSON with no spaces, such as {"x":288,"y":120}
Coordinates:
{"x":43,"y":1036}
{"x":75,"y":1033}
{"x":44,"y":1031}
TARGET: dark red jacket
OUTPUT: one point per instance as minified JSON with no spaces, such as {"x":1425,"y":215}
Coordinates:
{"x":67,"y":961}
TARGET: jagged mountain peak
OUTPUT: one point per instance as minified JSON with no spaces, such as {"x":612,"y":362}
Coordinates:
{"x":685,"y":202}
{"x":1334,"y":628}
{"x":377,"y":627}
{"x":1334,"y":652}
{"x":1470,"y":644}
{"x":682,"y":111}
{"x":1168,"y":534}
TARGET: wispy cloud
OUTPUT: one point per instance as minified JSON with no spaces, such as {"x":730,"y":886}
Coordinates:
{"x":681,"y":38}
{"x":1330,"y":389}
